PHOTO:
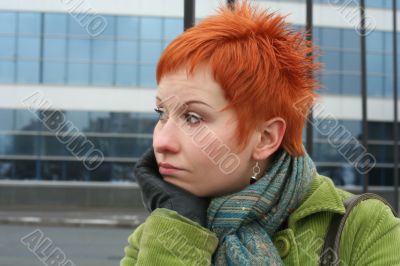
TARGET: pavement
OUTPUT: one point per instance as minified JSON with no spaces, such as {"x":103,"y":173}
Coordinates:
{"x":73,"y":217}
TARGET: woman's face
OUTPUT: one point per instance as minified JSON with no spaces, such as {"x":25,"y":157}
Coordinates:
{"x":195,"y":137}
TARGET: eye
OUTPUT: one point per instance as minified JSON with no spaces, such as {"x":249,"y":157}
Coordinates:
{"x":160,"y":113}
{"x":193,"y":118}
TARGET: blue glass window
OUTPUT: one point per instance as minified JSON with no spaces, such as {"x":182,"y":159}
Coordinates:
{"x":77,"y":26}
{"x":26,"y":145}
{"x":172,"y":28}
{"x":78,"y":119}
{"x":351,"y":39}
{"x":374,"y":41}
{"x":128,"y":27}
{"x":79,"y":50}
{"x":26,"y":120}
{"x":29,"y":23}
{"x":8,"y":22}
{"x":7,"y":144}
{"x":54,"y":49}
{"x":127,"y":51}
{"x":55,"y":24}
{"x":53,"y":73}
{"x":375,"y":63}
{"x":103,"y":50}
{"x":376,"y":3}
{"x":109,"y":29}
{"x":7,"y":119}
{"x":52,"y":170}
{"x":98,"y":122}
{"x":375,"y":85}
{"x":145,"y":122}
{"x":331,"y":60}
{"x":150,"y":28}
{"x":6,"y":168}
{"x":78,"y":74}
{"x":142,"y":144}
{"x":148,"y":76}
{"x":28,"y":47}
{"x":7,"y":71}
{"x":51,"y":146}
{"x":126,"y":75}
{"x":28,"y":71}
{"x":330,"y":37}
{"x":317,"y":35}
{"x":388,"y":46}
{"x":388,"y":86}
{"x":351,"y":84}
{"x":7,"y":47}
{"x":149,"y":52}
{"x":353,"y":126}
{"x":123,"y":147}
{"x":351,"y":61}
{"x":97,"y":25}
{"x":25,"y":169}
{"x":102,"y":74}
{"x":325,"y":152}
{"x":330,"y":83}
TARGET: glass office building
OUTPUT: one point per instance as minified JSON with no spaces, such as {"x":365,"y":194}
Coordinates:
{"x":103,"y":82}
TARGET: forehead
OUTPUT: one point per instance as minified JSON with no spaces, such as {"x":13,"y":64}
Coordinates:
{"x":200,"y":85}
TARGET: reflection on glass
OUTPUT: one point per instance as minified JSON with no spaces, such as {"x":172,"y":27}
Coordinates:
{"x":7,"y":71}
{"x":25,"y":169}
{"x":127,"y":51}
{"x":103,"y":50}
{"x":55,"y":24}
{"x":29,"y":23}
{"x":6,"y":169}
{"x":375,"y":85}
{"x":53,"y":73}
{"x":331,"y":60}
{"x":331,"y":83}
{"x":7,"y":47}
{"x":128,"y":27}
{"x":78,"y":74}
{"x":126,"y":75}
{"x":351,"y":85}
{"x":150,"y":28}
{"x":150,"y":52}
{"x":148,"y":76}
{"x":52,"y":170}
{"x":54,"y":49}
{"x":172,"y":28}
{"x":102,"y":74}
{"x":28,"y":47}
{"x":8,"y":23}
{"x":79,"y":50}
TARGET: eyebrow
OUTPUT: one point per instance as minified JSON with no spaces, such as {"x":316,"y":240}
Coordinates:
{"x":189,"y":102}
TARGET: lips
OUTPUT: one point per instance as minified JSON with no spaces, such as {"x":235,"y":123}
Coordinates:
{"x":167,"y":169}
{"x":168,"y":166}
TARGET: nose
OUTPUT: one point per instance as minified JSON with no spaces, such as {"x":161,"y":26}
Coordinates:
{"x":166,"y":137}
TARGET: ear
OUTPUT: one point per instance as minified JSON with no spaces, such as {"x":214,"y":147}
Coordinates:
{"x":269,"y":138}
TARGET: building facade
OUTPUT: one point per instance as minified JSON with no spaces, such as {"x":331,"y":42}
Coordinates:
{"x":91,"y":66}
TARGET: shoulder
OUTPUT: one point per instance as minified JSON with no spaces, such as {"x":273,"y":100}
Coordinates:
{"x":371,"y":234}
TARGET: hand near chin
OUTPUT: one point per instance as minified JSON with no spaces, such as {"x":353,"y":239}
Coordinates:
{"x":157,"y":193}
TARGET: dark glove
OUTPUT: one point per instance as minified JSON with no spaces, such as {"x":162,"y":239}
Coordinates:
{"x":157,"y":193}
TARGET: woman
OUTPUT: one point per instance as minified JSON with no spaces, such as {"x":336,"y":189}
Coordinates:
{"x":227,"y":180}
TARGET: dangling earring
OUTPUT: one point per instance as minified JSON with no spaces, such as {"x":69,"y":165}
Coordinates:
{"x":256,"y":171}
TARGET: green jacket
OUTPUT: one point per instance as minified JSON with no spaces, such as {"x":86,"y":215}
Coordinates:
{"x":370,"y":237}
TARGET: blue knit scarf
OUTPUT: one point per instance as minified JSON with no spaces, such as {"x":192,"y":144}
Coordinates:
{"x":246,"y":221}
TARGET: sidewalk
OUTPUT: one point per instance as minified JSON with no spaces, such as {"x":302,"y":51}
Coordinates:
{"x":74,"y":217}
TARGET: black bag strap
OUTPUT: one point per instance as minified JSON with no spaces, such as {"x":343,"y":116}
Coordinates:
{"x":330,"y":252}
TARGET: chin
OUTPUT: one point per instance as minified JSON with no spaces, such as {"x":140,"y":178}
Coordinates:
{"x":190,"y":189}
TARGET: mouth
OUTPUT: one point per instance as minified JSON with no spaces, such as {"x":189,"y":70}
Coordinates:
{"x":167,"y":169}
